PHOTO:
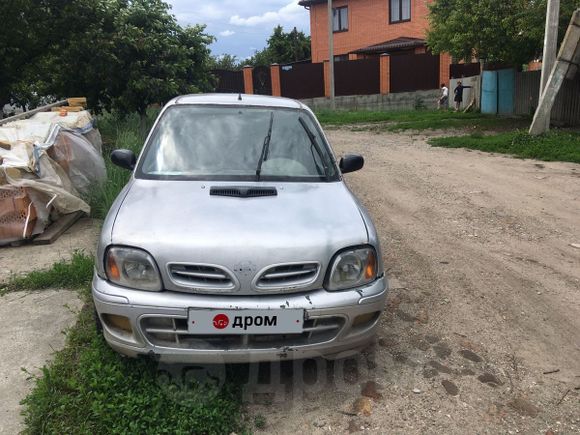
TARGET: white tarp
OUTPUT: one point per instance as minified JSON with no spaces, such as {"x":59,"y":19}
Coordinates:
{"x":55,"y":158}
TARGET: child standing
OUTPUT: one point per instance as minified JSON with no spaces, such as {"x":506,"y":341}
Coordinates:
{"x":442,"y":102}
{"x":458,"y":91}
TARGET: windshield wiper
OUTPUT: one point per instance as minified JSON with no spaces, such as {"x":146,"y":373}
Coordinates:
{"x":265,"y":147}
{"x":314,"y":143}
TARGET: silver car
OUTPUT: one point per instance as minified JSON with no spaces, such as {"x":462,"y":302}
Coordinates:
{"x":237,"y":240}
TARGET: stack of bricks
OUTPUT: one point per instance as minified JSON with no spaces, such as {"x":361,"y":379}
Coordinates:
{"x":17,"y":214}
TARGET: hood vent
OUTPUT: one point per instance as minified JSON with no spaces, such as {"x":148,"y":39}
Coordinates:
{"x":242,"y":191}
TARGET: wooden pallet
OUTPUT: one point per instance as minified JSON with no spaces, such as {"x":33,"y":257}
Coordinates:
{"x":54,"y":231}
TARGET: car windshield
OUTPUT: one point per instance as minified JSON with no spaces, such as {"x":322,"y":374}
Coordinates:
{"x":237,"y":143}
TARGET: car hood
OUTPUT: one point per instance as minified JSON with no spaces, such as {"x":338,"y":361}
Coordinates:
{"x":180,"y":222}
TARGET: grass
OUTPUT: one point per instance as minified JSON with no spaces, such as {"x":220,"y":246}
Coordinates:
{"x":88,"y":388}
{"x":72,"y":274}
{"x":557,"y":145}
{"x":127,"y":132}
{"x":418,"y":120}
{"x":260,"y":422}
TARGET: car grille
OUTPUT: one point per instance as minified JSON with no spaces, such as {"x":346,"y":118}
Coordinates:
{"x":288,"y":276}
{"x":172,"y":332}
{"x":201,"y":276}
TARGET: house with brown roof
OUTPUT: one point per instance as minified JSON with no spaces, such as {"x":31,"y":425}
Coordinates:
{"x":366,"y":28}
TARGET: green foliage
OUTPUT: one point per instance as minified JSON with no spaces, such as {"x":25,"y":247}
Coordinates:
{"x":260,"y":421}
{"x":282,"y":48}
{"x":418,"y":120}
{"x":128,"y":132}
{"x":504,"y":31}
{"x":554,"y":146}
{"x":122,"y":55}
{"x":15,"y":56}
{"x":72,"y":274}
{"x":90,"y":389}
{"x":225,"y":61}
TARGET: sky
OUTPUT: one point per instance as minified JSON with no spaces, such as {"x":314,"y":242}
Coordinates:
{"x":241,"y":26}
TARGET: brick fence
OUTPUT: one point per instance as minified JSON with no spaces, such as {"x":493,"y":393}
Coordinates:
{"x":355,"y":77}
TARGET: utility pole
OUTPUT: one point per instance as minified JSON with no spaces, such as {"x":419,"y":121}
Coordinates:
{"x":550,"y":46}
{"x":331,"y":53}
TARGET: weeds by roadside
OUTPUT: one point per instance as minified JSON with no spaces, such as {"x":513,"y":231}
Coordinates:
{"x":418,"y":120}
{"x":557,"y":145}
{"x":73,"y":274}
{"x":127,"y":132}
{"x":88,"y":388}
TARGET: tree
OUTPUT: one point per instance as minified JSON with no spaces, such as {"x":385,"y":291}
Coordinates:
{"x":120,"y":54}
{"x":19,"y":44}
{"x":225,"y":61}
{"x":496,"y":31}
{"x":156,"y":58}
{"x":282,"y":48}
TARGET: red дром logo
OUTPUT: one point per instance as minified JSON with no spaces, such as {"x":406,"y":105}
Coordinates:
{"x":220,"y":321}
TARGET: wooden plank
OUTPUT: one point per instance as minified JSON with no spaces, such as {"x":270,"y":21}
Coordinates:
{"x":25,"y":115}
{"x":575,"y":64}
{"x":68,"y":108}
{"x":567,"y":51}
{"x":54,"y":231}
{"x":77,"y":101}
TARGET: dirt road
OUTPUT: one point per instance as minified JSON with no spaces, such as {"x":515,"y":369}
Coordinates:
{"x":485,"y":298}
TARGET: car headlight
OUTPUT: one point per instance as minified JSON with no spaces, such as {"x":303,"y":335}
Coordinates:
{"x":133,"y":268}
{"x":352,"y":268}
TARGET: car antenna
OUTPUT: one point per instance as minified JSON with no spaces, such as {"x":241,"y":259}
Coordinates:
{"x":240,"y":96}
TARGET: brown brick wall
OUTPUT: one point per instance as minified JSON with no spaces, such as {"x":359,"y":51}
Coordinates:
{"x":327,"y":79}
{"x":385,"y":65}
{"x":248,"y":80}
{"x":368,"y":24}
{"x":275,"y":78}
{"x":444,"y":63}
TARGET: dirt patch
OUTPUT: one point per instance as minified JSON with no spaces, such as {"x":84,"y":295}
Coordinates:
{"x":32,"y":326}
{"x":486,"y":296}
{"x":82,"y":236}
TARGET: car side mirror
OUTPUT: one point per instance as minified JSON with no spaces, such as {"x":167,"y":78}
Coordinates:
{"x":125,"y":159}
{"x":351,"y":163}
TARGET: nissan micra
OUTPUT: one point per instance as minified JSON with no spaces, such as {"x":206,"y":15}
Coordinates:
{"x":237,"y":240}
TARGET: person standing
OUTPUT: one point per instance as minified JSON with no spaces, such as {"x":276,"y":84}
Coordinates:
{"x":442,"y":102}
{"x":458,"y":91}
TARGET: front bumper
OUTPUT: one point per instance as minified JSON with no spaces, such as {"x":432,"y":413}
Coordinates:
{"x":159,"y":324}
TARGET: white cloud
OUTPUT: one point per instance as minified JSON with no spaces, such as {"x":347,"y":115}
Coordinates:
{"x":289,"y":14}
{"x":227,"y":33}
{"x":195,"y":11}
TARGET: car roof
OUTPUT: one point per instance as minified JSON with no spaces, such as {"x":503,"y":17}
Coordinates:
{"x":238,"y":100}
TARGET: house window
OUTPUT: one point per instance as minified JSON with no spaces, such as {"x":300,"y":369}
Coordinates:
{"x":341,"y":57}
{"x":400,"y":11}
{"x":340,"y":19}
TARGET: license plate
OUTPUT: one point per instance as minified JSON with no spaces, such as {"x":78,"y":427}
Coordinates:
{"x":288,"y":321}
